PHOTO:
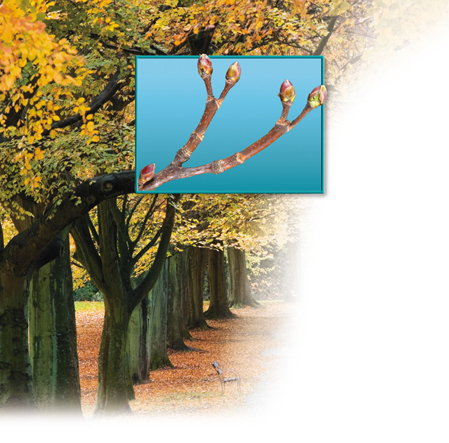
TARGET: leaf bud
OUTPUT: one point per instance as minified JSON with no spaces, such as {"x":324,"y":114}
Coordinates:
{"x":317,"y":96}
{"x":204,"y":66}
{"x":287,"y":92}
{"x":147,"y":173}
{"x":233,"y":73}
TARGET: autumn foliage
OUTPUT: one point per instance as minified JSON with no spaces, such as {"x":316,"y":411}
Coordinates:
{"x":192,"y":384}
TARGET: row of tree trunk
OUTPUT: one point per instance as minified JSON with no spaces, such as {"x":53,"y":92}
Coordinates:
{"x":161,"y":321}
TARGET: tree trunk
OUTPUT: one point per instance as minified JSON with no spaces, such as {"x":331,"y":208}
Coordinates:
{"x":293,"y":271}
{"x":196,"y":262}
{"x":139,"y":340}
{"x":158,"y":323}
{"x":113,"y":371}
{"x":53,"y":348}
{"x":240,"y":289}
{"x":218,"y":307}
{"x":16,"y":390}
{"x":176,"y":329}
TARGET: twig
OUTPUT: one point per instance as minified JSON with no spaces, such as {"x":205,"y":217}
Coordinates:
{"x":148,"y":181}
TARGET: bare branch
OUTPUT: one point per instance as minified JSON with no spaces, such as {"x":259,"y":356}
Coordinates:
{"x":212,"y":106}
{"x":174,"y":171}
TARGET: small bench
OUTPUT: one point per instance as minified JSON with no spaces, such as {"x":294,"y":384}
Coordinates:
{"x":223,"y":376}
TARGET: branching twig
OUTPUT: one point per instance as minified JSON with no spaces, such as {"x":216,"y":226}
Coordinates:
{"x":149,"y":181}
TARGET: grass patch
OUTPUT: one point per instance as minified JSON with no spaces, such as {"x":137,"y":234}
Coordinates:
{"x":89,"y":306}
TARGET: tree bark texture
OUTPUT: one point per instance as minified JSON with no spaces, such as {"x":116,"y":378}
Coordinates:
{"x":112,"y":393}
{"x":114,"y":380}
{"x":16,"y":390}
{"x":139,"y":340}
{"x":240,"y":288}
{"x":218,"y":308}
{"x":158,"y":323}
{"x":176,"y":328}
{"x":196,"y":261}
{"x":53,"y":347}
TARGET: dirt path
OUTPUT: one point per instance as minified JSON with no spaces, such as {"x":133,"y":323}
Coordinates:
{"x":192,"y":386}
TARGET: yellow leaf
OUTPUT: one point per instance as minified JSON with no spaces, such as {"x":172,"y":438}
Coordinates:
{"x":39,"y":155}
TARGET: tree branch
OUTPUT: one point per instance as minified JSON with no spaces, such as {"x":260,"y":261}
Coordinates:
{"x":150,"y":279}
{"x":86,"y":252}
{"x":110,"y":89}
{"x":212,"y":106}
{"x":145,"y":221}
{"x":174,"y":172}
{"x":147,"y":247}
{"x":131,"y":212}
{"x":21,"y":251}
{"x":325,"y":39}
{"x":92,"y":229}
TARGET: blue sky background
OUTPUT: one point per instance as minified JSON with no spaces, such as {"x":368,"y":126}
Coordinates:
{"x":171,"y":100}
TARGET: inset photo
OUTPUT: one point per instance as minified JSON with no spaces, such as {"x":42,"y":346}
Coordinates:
{"x":230,"y":124}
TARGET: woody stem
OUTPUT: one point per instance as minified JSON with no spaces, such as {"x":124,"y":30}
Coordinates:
{"x":175,"y":172}
{"x":212,"y":106}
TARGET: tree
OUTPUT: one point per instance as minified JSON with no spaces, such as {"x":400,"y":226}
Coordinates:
{"x":240,"y":287}
{"x":66,"y":118}
{"x":158,"y":324}
{"x":53,"y":346}
{"x":27,"y":251}
{"x":110,"y":256}
{"x":218,"y":307}
{"x":178,"y":287}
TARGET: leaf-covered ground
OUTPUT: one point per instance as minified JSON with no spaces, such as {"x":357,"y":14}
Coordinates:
{"x":192,"y":386}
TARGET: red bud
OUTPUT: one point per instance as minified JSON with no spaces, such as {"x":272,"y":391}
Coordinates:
{"x":287,"y":92}
{"x":233,"y":73}
{"x":204,"y":66}
{"x":317,"y":96}
{"x":147,"y":173}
